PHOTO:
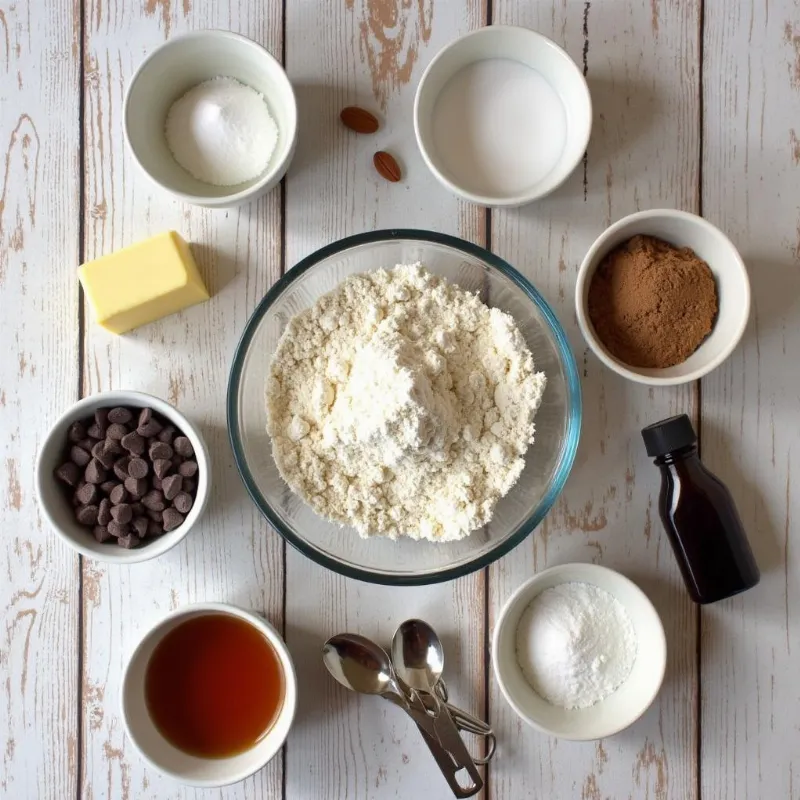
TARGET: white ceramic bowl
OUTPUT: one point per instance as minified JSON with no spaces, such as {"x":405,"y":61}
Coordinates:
{"x":174,"y":68}
{"x":60,"y":514}
{"x":533,"y":50}
{"x":168,"y":760}
{"x":621,"y":708}
{"x":733,"y":289}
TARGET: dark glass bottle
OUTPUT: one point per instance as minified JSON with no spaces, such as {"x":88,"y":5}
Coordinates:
{"x":700,"y":516}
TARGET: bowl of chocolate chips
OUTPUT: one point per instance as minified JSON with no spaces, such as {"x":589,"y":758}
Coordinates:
{"x":123,"y":476}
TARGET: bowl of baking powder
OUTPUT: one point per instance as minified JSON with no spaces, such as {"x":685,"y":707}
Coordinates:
{"x":579,"y":652}
{"x":212,"y":118}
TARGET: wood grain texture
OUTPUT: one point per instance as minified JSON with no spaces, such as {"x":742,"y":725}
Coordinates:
{"x":60,"y":730}
{"x":751,"y":437}
{"x":39,"y":187}
{"x":641,"y":61}
{"x":231,"y":555}
{"x":345,"y":746}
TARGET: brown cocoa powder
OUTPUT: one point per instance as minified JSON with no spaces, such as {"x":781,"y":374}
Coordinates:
{"x":652,"y":304}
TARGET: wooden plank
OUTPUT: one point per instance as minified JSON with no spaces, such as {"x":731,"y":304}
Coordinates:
{"x":642,"y":68}
{"x":232,"y":555}
{"x":751,"y":437}
{"x":371,"y":54}
{"x":39,"y":188}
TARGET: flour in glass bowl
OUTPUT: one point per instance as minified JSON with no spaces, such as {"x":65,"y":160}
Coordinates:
{"x":402,"y":405}
{"x":575,"y":645}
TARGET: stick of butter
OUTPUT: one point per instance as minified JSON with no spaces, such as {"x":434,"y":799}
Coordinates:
{"x":142,"y":283}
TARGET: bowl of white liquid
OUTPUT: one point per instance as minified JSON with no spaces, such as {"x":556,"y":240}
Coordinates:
{"x":502,"y":116}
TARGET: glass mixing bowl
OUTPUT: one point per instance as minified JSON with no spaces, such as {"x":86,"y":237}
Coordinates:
{"x":548,"y":460}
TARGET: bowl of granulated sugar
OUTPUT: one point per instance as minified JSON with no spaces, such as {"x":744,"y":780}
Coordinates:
{"x":579,"y":652}
{"x":502,"y":116}
{"x":211,"y":117}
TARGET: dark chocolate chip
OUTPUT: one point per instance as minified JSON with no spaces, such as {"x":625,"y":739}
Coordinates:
{"x":133,"y":443}
{"x":115,"y":447}
{"x":88,"y":443}
{"x":69,"y":473}
{"x":154,"y":501}
{"x":138,"y":509}
{"x":104,"y":512}
{"x":116,"y":431}
{"x":87,"y":515}
{"x":136,"y":486}
{"x":117,"y":528}
{"x":155,"y":516}
{"x":172,"y":519}
{"x":161,"y":466}
{"x":172,"y":485}
{"x":145,"y":415}
{"x":130,"y":541}
{"x":77,"y":455}
{"x":167,"y":434}
{"x":120,"y":415}
{"x":160,"y":450}
{"x":140,"y":525}
{"x":190,"y":485}
{"x":188,"y":469}
{"x":101,"y":533}
{"x":121,"y":467}
{"x":156,"y":482}
{"x":119,"y":495}
{"x":122,"y":513}
{"x":151,"y":428}
{"x":101,"y":417}
{"x":87,"y":494}
{"x":183,"y":447}
{"x":96,"y":431}
{"x":95,"y":472}
{"x":154,"y":528}
{"x":75,"y":501}
{"x":103,"y":456}
{"x":138,"y":468}
{"x":77,"y":431}
{"x":108,"y":486}
{"x":183,"y":502}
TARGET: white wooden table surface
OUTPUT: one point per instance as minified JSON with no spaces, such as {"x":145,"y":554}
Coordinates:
{"x":697,"y":106}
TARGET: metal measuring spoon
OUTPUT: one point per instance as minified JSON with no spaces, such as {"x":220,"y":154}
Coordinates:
{"x":418,"y":658}
{"x":362,"y":666}
{"x":359,"y":664}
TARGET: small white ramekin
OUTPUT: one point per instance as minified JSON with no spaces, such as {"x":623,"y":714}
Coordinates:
{"x":527,"y":47}
{"x":168,"y":760}
{"x":61,"y":515}
{"x":174,"y":68}
{"x":621,"y":708}
{"x":681,"y":229}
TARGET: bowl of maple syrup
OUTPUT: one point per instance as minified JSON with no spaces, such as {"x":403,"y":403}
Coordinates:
{"x":209,"y":695}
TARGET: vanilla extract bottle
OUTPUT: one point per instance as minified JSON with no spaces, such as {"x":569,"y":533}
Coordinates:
{"x":700,"y":516}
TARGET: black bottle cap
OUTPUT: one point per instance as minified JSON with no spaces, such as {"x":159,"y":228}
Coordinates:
{"x":668,"y":435}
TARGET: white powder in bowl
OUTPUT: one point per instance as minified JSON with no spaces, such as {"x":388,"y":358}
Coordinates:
{"x":402,"y":405}
{"x":575,"y":644}
{"x":221,"y":132}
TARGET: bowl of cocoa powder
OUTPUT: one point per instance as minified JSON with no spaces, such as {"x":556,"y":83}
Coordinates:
{"x":662,"y":297}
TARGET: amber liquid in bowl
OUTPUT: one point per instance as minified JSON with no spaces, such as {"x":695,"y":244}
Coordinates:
{"x":214,"y":686}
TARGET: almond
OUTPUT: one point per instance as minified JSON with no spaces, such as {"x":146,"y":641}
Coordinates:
{"x":359,"y":120}
{"x":387,"y":166}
